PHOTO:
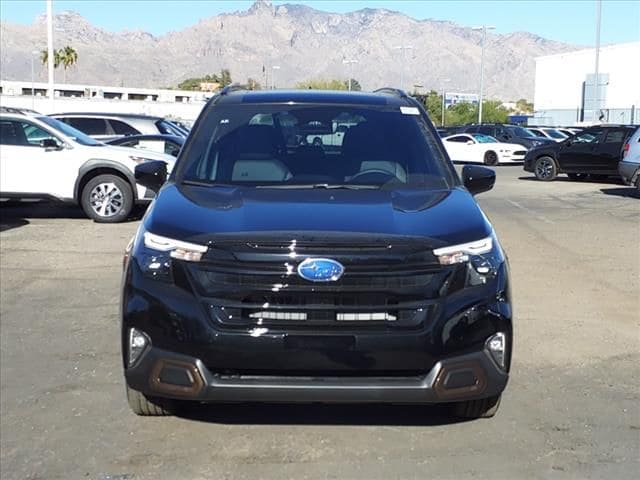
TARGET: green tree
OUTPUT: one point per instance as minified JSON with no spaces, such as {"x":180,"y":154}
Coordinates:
{"x":463,"y":113}
{"x":324,"y":84}
{"x":523,"y":106}
{"x":44,"y":58}
{"x":225,"y":77}
{"x":68,"y":58}
{"x":253,"y":84}
{"x":355,"y":85}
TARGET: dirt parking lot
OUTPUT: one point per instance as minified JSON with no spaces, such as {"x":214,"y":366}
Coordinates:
{"x":571,"y":410}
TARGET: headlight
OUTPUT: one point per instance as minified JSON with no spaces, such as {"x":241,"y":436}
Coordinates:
{"x":156,"y":252}
{"x":461,"y":253}
{"x":536,"y":143}
{"x":139,"y":160}
{"x":482,"y":258}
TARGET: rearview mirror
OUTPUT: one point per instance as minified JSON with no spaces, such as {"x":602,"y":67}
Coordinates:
{"x":151,"y":175}
{"x":478,"y":179}
{"x":50,"y":144}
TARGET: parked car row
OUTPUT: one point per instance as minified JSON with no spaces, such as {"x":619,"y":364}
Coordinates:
{"x":42,"y":157}
{"x":594,"y":152}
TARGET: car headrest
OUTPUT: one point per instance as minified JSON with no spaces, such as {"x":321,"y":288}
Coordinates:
{"x":253,"y":140}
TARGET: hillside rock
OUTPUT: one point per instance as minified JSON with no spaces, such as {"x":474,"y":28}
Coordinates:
{"x":305,"y":43}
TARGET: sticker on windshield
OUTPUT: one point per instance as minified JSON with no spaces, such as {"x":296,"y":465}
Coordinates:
{"x":409,"y":111}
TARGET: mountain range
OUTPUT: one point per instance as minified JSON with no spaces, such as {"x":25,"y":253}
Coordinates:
{"x":303,"y":42}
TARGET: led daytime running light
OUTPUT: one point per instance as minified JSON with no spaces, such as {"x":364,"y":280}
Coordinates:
{"x":191,"y":252}
{"x":460,"y":253}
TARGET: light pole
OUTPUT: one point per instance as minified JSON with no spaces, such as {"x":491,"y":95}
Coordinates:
{"x":404,"y":49}
{"x":484,"y":29}
{"x":445,"y":81}
{"x":273,"y":76}
{"x":350,"y":63}
{"x":50,"y":52}
{"x":596,"y":81}
{"x":33,"y":100}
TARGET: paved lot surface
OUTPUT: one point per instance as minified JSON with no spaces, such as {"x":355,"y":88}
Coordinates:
{"x":571,"y":411}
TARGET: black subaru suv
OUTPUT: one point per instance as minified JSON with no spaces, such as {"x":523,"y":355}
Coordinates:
{"x":274,"y":267}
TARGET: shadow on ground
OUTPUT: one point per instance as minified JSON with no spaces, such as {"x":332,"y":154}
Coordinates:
{"x":320,"y":414}
{"x":562,"y":178}
{"x":11,"y":212}
{"x":621,"y":192}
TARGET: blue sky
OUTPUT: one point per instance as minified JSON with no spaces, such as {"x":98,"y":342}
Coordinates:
{"x":571,"y":21}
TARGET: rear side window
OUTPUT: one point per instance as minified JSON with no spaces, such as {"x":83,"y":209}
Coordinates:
{"x":588,"y":136}
{"x":90,"y":126}
{"x":614,"y":136}
{"x":121,"y":128}
{"x":459,"y":139}
{"x":486,"y":130}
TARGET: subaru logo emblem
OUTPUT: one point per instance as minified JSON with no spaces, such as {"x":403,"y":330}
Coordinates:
{"x":320,"y":270}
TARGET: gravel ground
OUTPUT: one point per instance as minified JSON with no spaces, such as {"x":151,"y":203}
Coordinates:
{"x":571,"y":410}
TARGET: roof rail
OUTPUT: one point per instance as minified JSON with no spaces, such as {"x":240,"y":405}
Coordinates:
{"x":393,"y":91}
{"x":232,"y":88}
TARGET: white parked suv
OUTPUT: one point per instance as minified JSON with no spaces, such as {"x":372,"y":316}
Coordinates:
{"x":41,"y":157}
{"x":629,"y":166}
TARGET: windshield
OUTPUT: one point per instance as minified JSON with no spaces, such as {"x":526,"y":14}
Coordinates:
{"x":72,"y":133}
{"x":481,"y":138}
{"x":554,"y":133}
{"x":311,"y":145}
{"x":522,"y":132}
{"x":170,"y":128}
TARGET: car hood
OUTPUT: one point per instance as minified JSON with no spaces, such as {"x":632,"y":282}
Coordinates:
{"x":198,"y":214}
{"x":127,"y":152}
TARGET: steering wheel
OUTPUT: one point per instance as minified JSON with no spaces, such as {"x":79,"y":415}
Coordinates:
{"x":375,"y":174}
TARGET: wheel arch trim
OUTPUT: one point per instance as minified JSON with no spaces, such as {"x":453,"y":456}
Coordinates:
{"x":97,"y":163}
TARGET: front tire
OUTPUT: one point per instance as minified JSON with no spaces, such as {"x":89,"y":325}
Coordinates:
{"x":145,"y":406}
{"x":483,"y":408}
{"x":107,"y":199}
{"x":491,"y":158}
{"x":545,"y":169}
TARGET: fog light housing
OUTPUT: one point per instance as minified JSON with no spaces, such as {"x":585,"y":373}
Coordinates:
{"x":497,"y":347}
{"x":138,"y":343}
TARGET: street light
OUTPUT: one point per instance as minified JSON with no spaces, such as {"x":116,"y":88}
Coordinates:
{"x":596,"y":81}
{"x":350,"y":63}
{"x":273,"y":76}
{"x":33,"y":101}
{"x":484,"y":29}
{"x":404,"y":49}
{"x":50,"y":51}
{"x":444,"y":81}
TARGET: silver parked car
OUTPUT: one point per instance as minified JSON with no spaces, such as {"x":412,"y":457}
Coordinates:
{"x":107,"y":126}
{"x":629,"y":166}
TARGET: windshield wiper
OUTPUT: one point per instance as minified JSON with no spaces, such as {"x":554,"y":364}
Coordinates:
{"x":322,"y":186}
{"x":200,"y":183}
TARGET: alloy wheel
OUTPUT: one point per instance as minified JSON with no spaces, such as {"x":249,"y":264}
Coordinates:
{"x":106,"y":199}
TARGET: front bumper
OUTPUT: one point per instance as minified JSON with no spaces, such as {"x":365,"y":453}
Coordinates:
{"x":629,"y":172}
{"x":171,"y":375}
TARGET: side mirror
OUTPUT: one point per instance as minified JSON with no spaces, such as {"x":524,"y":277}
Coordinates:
{"x":504,"y":137}
{"x":151,"y":175}
{"x":50,"y":144}
{"x":469,"y":142}
{"x":478,"y":179}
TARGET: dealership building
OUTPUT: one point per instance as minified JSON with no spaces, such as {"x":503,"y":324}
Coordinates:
{"x":566,"y":92}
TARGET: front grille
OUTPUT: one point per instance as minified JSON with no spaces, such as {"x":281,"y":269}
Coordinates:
{"x":384,"y":286}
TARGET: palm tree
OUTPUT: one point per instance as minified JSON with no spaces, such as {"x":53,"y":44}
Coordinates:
{"x":44,"y":57}
{"x":68,"y":57}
